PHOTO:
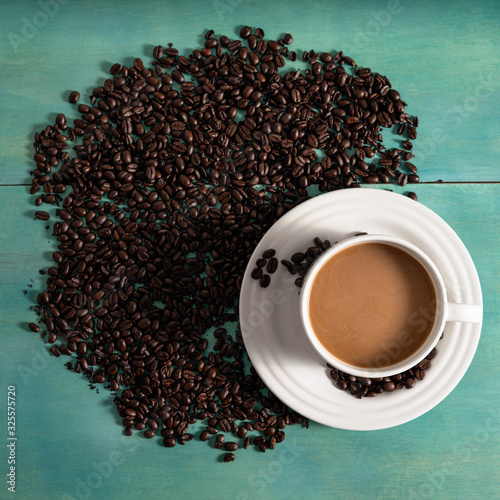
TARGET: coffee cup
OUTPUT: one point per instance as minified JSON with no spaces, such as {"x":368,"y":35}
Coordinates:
{"x":375,"y":305}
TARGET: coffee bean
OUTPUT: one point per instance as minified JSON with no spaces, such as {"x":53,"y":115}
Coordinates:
{"x":245,"y":32}
{"x":219,"y":441}
{"x":269,"y":253}
{"x":34,"y":327}
{"x":169,"y":442}
{"x":410,"y":382}
{"x":272,"y":265}
{"x":257,"y":273}
{"x":265,"y":281}
{"x":73,"y":97}
{"x":229,"y":457}
{"x":261,"y":262}
{"x":41,"y":215}
{"x":412,"y":195}
{"x":231,"y":446}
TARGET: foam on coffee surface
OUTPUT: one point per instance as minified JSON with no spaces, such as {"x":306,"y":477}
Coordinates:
{"x":372,"y":305}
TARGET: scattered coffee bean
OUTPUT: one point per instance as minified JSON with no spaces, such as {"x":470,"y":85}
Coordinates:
{"x":219,"y":441}
{"x":34,"y":327}
{"x":298,"y":257}
{"x":41,"y":215}
{"x":229,"y":457}
{"x":231,"y":446}
{"x":265,"y":281}
{"x":269,"y":253}
{"x":257,"y":273}
{"x":73,"y":97}
{"x":413,"y":195}
{"x":272,"y":265}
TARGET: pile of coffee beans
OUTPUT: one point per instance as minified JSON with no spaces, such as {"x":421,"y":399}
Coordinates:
{"x":164,"y":185}
{"x":371,"y":387}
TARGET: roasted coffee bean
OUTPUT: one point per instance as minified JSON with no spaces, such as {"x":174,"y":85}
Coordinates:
{"x":257,"y":273}
{"x":265,"y":281}
{"x":229,"y":457}
{"x":412,"y":195}
{"x":73,"y":97}
{"x":231,"y":446}
{"x":169,"y":442}
{"x":34,"y":327}
{"x":272,"y":265}
{"x":219,"y":441}
{"x":41,"y":215}
{"x":269,"y":253}
{"x":245,"y":32}
{"x":409,"y":382}
{"x":261,"y":262}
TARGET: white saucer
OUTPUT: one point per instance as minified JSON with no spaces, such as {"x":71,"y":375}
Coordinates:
{"x":270,"y":321}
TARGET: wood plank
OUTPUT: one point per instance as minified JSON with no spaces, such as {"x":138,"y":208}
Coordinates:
{"x":442,"y":56}
{"x":70,"y":440}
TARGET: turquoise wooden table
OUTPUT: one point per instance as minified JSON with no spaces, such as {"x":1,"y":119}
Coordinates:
{"x":444,"y":59}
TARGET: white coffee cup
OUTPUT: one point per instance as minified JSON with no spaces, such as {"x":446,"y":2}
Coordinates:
{"x":445,"y":311}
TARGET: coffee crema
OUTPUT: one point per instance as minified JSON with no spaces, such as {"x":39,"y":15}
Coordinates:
{"x":372,"y":305}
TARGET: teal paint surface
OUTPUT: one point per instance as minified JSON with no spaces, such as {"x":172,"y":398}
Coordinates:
{"x":443,"y":57}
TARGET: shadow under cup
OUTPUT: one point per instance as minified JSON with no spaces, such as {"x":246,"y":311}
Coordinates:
{"x":373,"y":305}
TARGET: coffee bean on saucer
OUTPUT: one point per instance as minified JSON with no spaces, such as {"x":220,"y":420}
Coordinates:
{"x":269,"y":253}
{"x":298,"y":257}
{"x":265,"y":281}
{"x":317,"y":242}
{"x":261,"y":262}
{"x":272,"y":265}
{"x":410,"y":382}
{"x":257,"y":273}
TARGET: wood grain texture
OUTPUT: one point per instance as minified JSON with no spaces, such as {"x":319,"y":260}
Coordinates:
{"x":67,"y":432}
{"x":444,"y":59}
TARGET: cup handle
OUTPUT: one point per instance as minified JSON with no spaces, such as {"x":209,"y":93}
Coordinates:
{"x":465,"y":313}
